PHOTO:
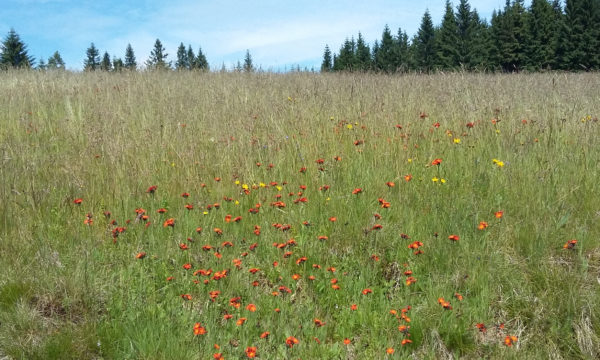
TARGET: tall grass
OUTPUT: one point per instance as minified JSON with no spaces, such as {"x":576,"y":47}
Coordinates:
{"x":71,"y":290}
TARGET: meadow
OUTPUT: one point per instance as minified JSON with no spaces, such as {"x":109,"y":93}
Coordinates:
{"x":287,"y":216}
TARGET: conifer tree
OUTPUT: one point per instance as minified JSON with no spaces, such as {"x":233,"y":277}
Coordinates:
{"x":464,"y":23}
{"x":542,"y":27}
{"x":425,"y":44}
{"x":363,"y":54}
{"x":105,"y":64}
{"x":481,"y":45}
{"x":182,"y":58}
{"x":326,"y":65}
{"x":579,"y":37}
{"x":117,"y":64}
{"x":385,"y":57}
{"x":201,"y":63}
{"x":447,"y":40}
{"x":13,"y":52}
{"x":92,"y":61}
{"x":402,"y":61}
{"x":248,"y":66}
{"x":130,"y":63}
{"x":191,"y":57}
{"x":56,"y":62}
{"x":158,"y":58}
{"x":42,"y":64}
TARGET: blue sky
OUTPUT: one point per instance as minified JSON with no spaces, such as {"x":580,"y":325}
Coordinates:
{"x":278,"y":33}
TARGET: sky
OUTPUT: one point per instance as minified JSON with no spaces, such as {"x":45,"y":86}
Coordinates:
{"x":279,"y":34}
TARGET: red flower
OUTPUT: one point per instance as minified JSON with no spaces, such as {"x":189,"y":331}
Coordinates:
{"x":169,"y":222}
{"x":140,"y":255}
{"x":356,"y":191}
{"x":470,"y":125}
{"x":570,"y":244}
{"x":481,"y":327}
{"x":436,"y":162}
{"x":187,"y":266}
{"x":199,"y":329}
{"x":183,"y":246}
{"x":151,"y":189}
{"x":265,"y":335}
{"x":499,"y":214}
{"x":251,"y":352}
{"x":189,"y":206}
{"x":454,"y":237}
{"x":390,"y":184}
{"x":185,"y":195}
{"x":78,"y":201}
{"x":291,"y":341}
{"x":318,"y":323}
{"x":509,"y":340}
{"x":367,"y":291}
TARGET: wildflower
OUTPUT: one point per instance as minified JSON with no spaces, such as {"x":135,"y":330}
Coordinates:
{"x":296,"y":277}
{"x":185,"y":195}
{"x":390,"y":184}
{"x":410,"y":280}
{"x":169,"y":222}
{"x":499,"y":214}
{"x":356,"y":191}
{"x":454,"y":237}
{"x":78,"y":201}
{"x":470,"y":125}
{"x":187,"y":266}
{"x":265,"y":335}
{"x":218,"y":231}
{"x":403,"y":329}
{"x":318,"y":323}
{"x":436,"y":162}
{"x":408,"y":177}
{"x":151,"y":189}
{"x":241,"y":321}
{"x":498,"y":162}
{"x":367,"y":291}
{"x":570,"y":244}
{"x":183,"y":246}
{"x":389,"y":351}
{"x":482,"y":225}
{"x":510,"y":340}
{"x":406,"y":341}
{"x":291,"y":341}
{"x":161,"y":210}
{"x":435,"y":179}
{"x":458,"y":296}
{"x":456,"y":140}
{"x":186,"y":296}
{"x":347,"y":341}
{"x":140,"y":255}
{"x":251,"y":352}
{"x":251,"y":307}
{"x":353,"y":307}
{"x":445,"y":304}
{"x":199,"y":329}
{"x":481,"y":327}
{"x":322,"y":237}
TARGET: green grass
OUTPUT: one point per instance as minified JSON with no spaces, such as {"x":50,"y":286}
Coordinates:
{"x":70,"y":290}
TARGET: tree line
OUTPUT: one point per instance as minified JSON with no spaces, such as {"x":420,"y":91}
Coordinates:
{"x":543,"y":36}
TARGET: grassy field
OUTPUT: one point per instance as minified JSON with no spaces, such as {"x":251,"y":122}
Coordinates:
{"x":326,"y":216}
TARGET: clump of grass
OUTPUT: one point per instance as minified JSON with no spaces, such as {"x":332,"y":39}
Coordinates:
{"x":244,"y":144}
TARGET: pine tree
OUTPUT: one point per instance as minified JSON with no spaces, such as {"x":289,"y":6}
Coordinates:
{"x":13,"y":52}
{"x":385,"y":57}
{"x":56,"y":62}
{"x":117,"y":64}
{"x":543,"y":35}
{"x":191,"y":57}
{"x":201,"y":63}
{"x":182,"y":58}
{"x":464,"y":23}
{"x":402,"y":61}
{"x":363,"y":54}
{"x":105,"y":64}
{"x":480,"y":44}
{"x":447,"y":40}
{"x":42,"y":64}
{"x":326,"y":65}
{"x":130,"y":63}
{"x":158,"y":58}
{"x":92,"y":62}
{"x":579,"y":37}
{"x":425,"y":44}
{"x":248,"y":66}
{"x":346,"y":60}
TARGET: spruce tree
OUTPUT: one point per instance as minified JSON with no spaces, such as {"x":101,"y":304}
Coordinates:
{"x":201,"y":62}
{"x":579,"y":37}
{"x":182,"y":58}
{"x":542,"y":27}
{"x":248,"y":66}
{"x":363,"y":54}
{"x":346,"y":60}
{"x":401,"y":52}
{"x":480,"y":44}
{"x":56,"y":62}
{"x":425,"y":44}
{"x":464,"y":23}
{"x":130,"y":63}
{"x":42,"y":64}
{"x":191,"y":57}
{"x":447,"y":51}
{"x":13,"y":52}
{"x":92,"y":61}
{"x":106,"y":64}
{"x":158,"y":58}
{"x":385,"y":58}
{"x":326,"y":65}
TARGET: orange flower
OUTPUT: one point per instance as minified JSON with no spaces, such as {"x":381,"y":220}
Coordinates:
{"x":482,"y":225}
{"x":199,"y":329}
{"x":186,"y":296}
{"x":356,"y":191}
{"x":185,"y":195}
{"x":390,"y":184}
{"x":218,"y":231}
{"x":499,"y":214}
{"x":353,"y":307}
{"x":151,"y":189}
{"x":198,"y":230}
{"x":403,"y":329}
{"x":251,"y":307}
{"x":187,"y":266}
{"x":78,"y":201}
{"x":333,"y":219}
{"x":169,"y":222}
{"x":318,"y":323}
{"x":322,"y":237}
{"x":510,"y":340}
{"x":445,"y":304}
{"x":161,"y":210}
{"x":406,"y":341}
{"x":183,"y":246}
{"x":389,"y":351}
{"x":410,"y":280}
{"x":347,"y":341}
{"x":241,"y":321}
{"x":140,"y":255}
{"x":454,"y":237}
{"x":481,"y":327}
{"x":251,"y":352}
{"x":265,"y":335}
{"x":408,"y":177}
{"x":291,"y":341}
{"x":570,"y":244}
{"x":189,"y":206}
{"x":218,"y":356}
{"x":458,"y":296}
{"x":367,"y":291}
{"x":436,"y":162}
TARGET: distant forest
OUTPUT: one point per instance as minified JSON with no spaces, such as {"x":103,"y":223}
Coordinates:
{"x":544,"y":36}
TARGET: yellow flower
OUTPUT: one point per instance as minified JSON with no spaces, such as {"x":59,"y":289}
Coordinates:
{"x":245,"y":186}
{"x":205,"y":213}
{"x":435,"y":179}
{"x":237,"y":202}
{"x":237,"y":182}
{"x":409,"y":160}
{"x":500,"y":163}
{"x":331,"y":118}
{"x":456,"y":140}
{"x":349,"y":126}
{"x":328,"y":199}
{"x":279,"y":188}
{"x":262,"y":184}
{"x":443,"y":181}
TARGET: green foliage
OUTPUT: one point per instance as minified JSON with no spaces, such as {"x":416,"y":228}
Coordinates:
{"x":200,"y":63}
{"x":13,"y":52}
{"x":55,"y":62}
{"x":183,"y":61}
{"x":447,"y":40}
{"x":384,"y":57}
{"x":130,"y":62}
{"x":106,"y":64}
{"x":248,"y":66}
{"x":363,"y":54}
{"x":327,"y":64}
{"x":425,"y":46}
{"x":158,"y":58}
{"x":92,"y":61}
